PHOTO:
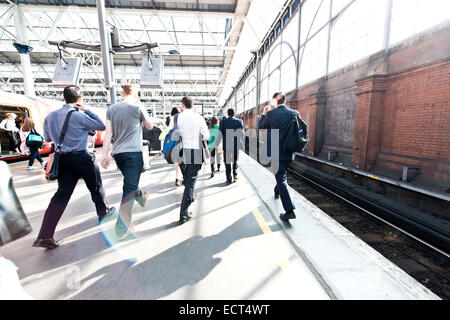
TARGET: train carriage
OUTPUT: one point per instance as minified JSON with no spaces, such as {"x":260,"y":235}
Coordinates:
{"x":37,"y":108}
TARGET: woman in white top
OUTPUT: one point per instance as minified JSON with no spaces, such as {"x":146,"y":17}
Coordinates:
{"x":9,"y":125}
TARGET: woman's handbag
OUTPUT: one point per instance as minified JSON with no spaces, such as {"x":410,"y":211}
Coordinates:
{"x":34,"y":139}
{"x":52,"y":170}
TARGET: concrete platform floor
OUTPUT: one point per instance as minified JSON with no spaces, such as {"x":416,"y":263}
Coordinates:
{"x":231,"y":249}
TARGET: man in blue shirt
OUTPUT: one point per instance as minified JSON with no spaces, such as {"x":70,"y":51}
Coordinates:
{"x":75,"y":162}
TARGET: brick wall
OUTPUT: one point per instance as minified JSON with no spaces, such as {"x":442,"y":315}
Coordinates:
{"x":305,"y":101}
{"x":398,"y":114}
{"x":416,"y":120}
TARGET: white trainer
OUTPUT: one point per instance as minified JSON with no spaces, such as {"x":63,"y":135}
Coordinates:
{"x":31,"y":168}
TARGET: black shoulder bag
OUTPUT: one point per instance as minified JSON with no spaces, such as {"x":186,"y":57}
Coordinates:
{"x":54,"y":171}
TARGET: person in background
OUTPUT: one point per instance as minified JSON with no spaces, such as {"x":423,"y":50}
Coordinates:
{"x":9,"y":125}
{"x":231,"y":148}
{"x":174,"y":111}
{"x":25,"y":129}
{"x":278,"y":119}
{"x":213,"y":149}
{"x":74,"y":163}
{"x":92,"y":136}
{"x":193,"y":132}
{"x":124,"y":126}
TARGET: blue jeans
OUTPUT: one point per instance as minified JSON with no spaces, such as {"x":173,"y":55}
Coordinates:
{"x":34,"y":154}
{"x":281,"y":187}
{"x":131,"y":165}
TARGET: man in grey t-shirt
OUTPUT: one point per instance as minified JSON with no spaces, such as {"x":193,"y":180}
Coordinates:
{"x":124,"y":126}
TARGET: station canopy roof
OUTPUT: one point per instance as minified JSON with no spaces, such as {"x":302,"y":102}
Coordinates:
{"x":198,"y":40}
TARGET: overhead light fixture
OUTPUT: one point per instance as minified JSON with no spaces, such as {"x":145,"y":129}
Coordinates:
{"x":22,"y":48}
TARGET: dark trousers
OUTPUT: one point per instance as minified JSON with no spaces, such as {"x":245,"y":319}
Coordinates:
{"x":14,"y":140}
{"x":72,"y":167}
{"x":190,"y":167}
{"x":231,"y":160}
{"x":281,"y":187}
{"x":215,"y":157}
{"x":131,"y":165}
{"x":34,"y":154}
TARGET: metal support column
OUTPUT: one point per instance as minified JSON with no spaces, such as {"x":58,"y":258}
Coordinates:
{"x":387,"y":25}
{"x":235,"y":100}
{"x":298,"y":43}
{"x":107,"y":58}
{"x":258,"y":91}
{"x":163,"y":101}
{"x":27,"y":73}
{"x":330,"y":25}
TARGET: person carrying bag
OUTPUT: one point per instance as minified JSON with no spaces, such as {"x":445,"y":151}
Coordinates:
{"x":71,"y":161}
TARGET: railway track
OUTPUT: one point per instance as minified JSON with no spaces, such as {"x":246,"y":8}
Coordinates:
{"x":423,"y":261}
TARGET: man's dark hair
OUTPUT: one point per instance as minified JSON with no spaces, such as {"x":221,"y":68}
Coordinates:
{"x":72,"y":94}
{"x":187,"y":102}
{"x":230,"y":112}
{"x":280,"y":97}
{"x":174,"y":111}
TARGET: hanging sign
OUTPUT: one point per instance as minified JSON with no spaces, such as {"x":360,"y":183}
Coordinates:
{"x":151,"y":73}
{"x":67,"y":72}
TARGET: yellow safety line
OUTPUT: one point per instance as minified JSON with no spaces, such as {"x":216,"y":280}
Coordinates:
{"x":262,"y":223}
{"x":265,"y":229}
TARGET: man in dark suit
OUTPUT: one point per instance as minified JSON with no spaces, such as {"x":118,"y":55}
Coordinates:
{"x":278,"y":118}
{"x":232,"y":133}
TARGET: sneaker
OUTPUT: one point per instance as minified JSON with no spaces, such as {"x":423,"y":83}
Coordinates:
{"x":235,"y":178}
{"x":142,"y":199}
{"x":43,"y":164}
{"x":129,"y":231}
{"x":109,"y":213}
{"x":185,"y":218}
{"x":31,"y":168}
{"x":212,"y":175}
{"x":122,"y":231}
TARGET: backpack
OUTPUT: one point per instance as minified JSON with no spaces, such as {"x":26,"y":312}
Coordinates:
{"x":296,"y":135}
{"x":170,"y":143}
{"x":34,"y":139}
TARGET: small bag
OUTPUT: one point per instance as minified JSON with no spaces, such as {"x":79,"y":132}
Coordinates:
{"x":296,"y":135}
{"x":171,"y":143}
{"x":34,"y":139}
{"x":52,"y":169}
